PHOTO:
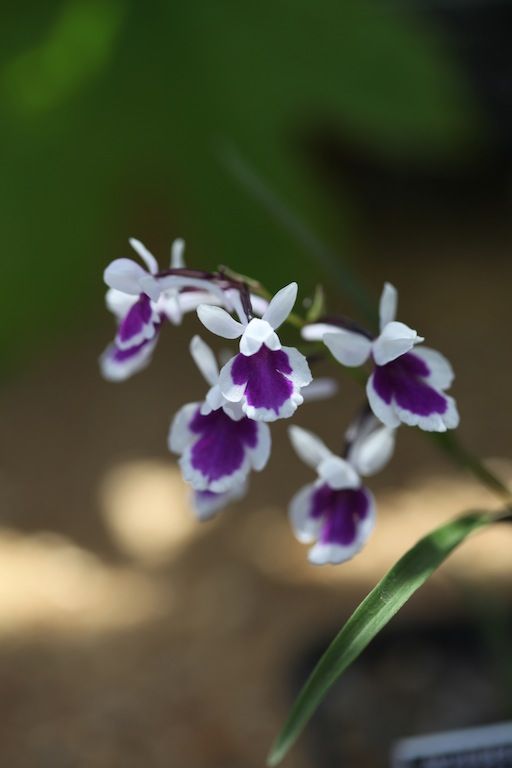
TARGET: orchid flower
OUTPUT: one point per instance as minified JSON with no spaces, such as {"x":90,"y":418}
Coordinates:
{"x":141,"y":301}
{"x":337,"y":512}
{"x":218,"y":445}
{"x":265,"y":377}
{"x":408,"y":382}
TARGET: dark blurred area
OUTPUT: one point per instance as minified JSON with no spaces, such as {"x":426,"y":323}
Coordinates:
{"x":336,"y":143}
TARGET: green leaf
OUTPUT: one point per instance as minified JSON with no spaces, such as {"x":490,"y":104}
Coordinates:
{"x":376,"y":610}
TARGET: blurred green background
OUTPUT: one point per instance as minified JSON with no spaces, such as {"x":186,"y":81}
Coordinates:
{"x":197,"y":119}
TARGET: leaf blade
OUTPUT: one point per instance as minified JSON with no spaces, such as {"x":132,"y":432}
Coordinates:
{"x":375,"y":611}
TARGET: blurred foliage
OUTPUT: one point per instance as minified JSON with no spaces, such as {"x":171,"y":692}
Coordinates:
{"x":119,"y":118}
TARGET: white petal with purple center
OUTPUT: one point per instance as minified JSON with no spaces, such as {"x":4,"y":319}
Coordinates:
{"x":118,"y":364}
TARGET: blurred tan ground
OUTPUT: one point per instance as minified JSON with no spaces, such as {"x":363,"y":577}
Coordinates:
{"x":132,"y":636}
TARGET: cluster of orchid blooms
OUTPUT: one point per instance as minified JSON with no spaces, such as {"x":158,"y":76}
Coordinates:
{"x":223,"y":438}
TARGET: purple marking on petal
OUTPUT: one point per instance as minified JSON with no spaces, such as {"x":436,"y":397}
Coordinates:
{"x":122,"y":355}
{"x":403,"y":380}
{"x":342,"y":511}
{"x":136,"y":319}
{"x":220,"y":449}
{"x":264,"y":374}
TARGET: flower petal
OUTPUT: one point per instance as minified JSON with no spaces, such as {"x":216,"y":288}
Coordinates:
{"x":218,"y":321}
{"x":383,"y":410}
{"x":308,"y":446}
{"x":388,"y":305}
{"x":281,"y":305}
{"x":440,"y":371}
{"x":317,"y":331}
{"x":177,"y":251}
{"x":220,"y":457}
{"x":320,"y":389}
{"x":146,"y":256}
{"x":300,"y":372}
{"x":260,"y":454}
{"x":180,"y":435}
{"x":338,"y":473}
{"x":124,"y":275}
{"x":305,"y":527}
{"x":433,"y":422}
{"x":258,"y":332}
{"x":206,"y":503}
{"x":140,"y":324}
{"x":329,"y":550}
{"x":232,"y":391}
{"x":119,"y":364}
{"x":119,"y":303}
{"x":348,"y":348}
{"x":205,"y":360}
{"x":395,"y":340}
{"x":369,"y":453}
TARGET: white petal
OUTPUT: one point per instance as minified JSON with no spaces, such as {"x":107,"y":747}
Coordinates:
{"x":395,"y":340}
{"x":254,"y":336}
{"x":177,"y":251}
{"x":371,"y":452}
{"x":231,"y":391}
{"x":301,"y":372}
{"x":281,"y":305}
{"x":261,"y":453}
{"x":180,"y":436}
{"x":205,"y":360}
{"x":338,"y":473}
{"x":317,"y":331}
{"x":320,"y":389}
{"x":441,"y":372}
{"x":175,"y":282}
{"x":146,"y":256}
{"x":124,"y":275}
{"x":214,"y":400}
{"x":119,"y":303}
{"x":218,"y":321}
{"x":388,"y":305}
{"x":273,"y":342}
{"x":383,"y":411}
{"x":331,"y":554}
{"x":308,"y":446}
{"x":348,"y":348}
{"x":305,"y":527}
{"x":259,"y":305}
{"x":150,"y":286}
{"x":236,"y":302}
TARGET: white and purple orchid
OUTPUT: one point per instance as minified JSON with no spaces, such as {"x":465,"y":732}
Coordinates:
{"x":265,"y":378}
{"x":141,"y":301}
{"x":337,"y":513}
{"x":408,"y":382}
{"x":217,"y":443}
